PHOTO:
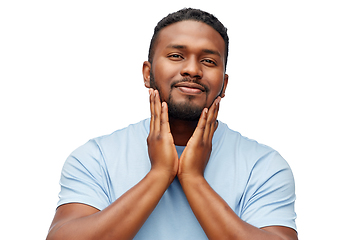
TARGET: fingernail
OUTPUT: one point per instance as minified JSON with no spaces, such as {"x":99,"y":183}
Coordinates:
{"x":218,"y":101}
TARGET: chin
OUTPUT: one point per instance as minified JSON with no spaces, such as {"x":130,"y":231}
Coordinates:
{"x":184,"y":111}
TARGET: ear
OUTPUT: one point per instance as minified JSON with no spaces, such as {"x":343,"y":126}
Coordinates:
{"x":226,"y":78}
{"x":146,"y":73}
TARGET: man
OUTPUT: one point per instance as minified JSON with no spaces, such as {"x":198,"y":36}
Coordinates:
{"x":180,"y":174}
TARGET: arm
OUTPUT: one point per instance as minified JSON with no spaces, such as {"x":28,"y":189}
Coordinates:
{"x":120,"y":220}
{"x":217,"y":219}
{"x":124,"y":217}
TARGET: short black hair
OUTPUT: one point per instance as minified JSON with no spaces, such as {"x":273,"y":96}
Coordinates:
{"x":190,"y":14}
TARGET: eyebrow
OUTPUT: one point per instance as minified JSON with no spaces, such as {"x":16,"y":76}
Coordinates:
{"x":208,"y":51}
{"x":176,"y":46}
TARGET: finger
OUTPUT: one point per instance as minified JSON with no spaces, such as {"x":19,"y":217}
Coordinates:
{"x":209,"y":129}
{"x":217,"y":107}
{"x":157,"y":111}
{"x":165,"y":126}
{"x":214,"y":124}
{"x":200,"y":128}
{"x":152,"y":111}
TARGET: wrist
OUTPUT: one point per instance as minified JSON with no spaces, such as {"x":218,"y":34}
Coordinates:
{"x":163,"y":176}
{"x":191,"y":179}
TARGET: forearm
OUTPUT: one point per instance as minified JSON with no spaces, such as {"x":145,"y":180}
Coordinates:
{"x":120,"y":220}
{"x":215,"y":216}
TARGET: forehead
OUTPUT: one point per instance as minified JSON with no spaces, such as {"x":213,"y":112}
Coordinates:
{"x":192,"y":34}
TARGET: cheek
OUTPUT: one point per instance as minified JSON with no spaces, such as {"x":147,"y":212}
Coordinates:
{"x":165,"y":70}
{"x":164,"y":74}
{"x":216,"y":83}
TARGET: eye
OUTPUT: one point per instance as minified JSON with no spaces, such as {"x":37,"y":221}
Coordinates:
{"x":209,"y":62}
{"x":175,"y":57}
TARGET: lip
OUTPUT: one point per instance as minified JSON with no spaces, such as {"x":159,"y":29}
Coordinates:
{"x":190,"y":87}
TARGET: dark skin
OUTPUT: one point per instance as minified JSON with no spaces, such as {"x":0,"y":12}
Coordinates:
{"x":185,"y":49}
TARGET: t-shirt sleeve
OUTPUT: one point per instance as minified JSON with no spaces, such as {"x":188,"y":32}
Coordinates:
{"x":82,"y":178}
{"x":270,"y":195}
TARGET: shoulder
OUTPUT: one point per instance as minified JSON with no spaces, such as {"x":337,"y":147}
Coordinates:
{"x":252,"y":155}
{"x":139,"y":129}
{"x":268,"y":188}
{"x":97,"y":148}
{"x":245,"y":146}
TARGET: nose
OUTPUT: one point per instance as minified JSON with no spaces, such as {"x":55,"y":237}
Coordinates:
{"x":192,"y":68}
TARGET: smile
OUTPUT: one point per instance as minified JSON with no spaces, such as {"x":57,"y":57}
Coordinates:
{"x":190,"y":88}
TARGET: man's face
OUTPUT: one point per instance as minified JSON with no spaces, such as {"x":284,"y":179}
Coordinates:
{"x":188,"y":68}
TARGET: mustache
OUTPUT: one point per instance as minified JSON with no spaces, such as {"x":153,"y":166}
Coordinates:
{"x":190,"y":80}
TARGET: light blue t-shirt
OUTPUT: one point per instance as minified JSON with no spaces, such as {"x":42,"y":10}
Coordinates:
{"x":254,"y":180}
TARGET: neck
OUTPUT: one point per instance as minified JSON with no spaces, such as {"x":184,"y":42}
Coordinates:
{"x":182,"y":130}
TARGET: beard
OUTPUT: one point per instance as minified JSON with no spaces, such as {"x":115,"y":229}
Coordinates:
{"x":181,"y":111}
{"x":184,"y":111}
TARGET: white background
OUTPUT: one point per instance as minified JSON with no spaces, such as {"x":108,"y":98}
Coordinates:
{"x":71,"y":71}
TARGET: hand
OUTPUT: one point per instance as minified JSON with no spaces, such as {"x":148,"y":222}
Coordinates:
{"x":161,"y":147}
{"x":198,"y":149}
